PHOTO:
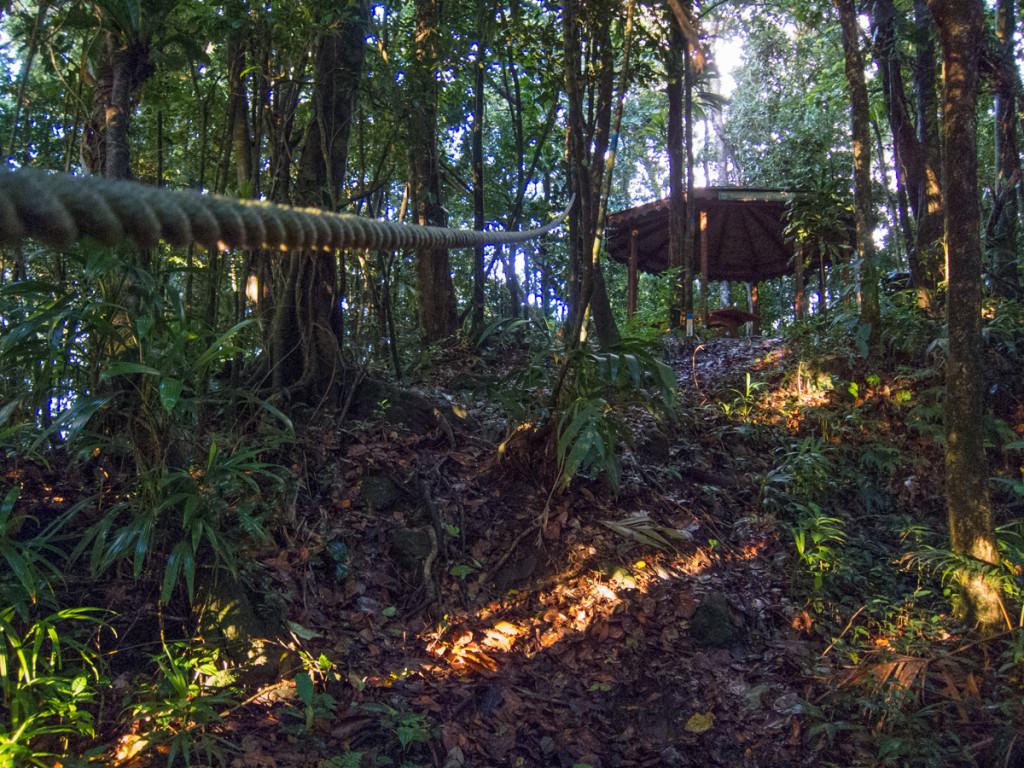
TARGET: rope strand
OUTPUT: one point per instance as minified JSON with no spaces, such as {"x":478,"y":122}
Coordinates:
{"x":60,"y":209}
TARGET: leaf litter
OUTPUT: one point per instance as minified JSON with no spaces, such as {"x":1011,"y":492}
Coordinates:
{"x":444,"y":636}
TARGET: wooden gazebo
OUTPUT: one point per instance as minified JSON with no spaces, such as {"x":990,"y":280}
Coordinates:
{"x":741,"y":238}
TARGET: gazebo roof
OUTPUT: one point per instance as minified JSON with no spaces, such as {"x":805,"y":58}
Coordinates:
{"x":745,"y":238}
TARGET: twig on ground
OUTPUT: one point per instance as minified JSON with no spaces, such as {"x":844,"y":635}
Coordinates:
{"x":515,"y":543}
{"x":847,"y":629}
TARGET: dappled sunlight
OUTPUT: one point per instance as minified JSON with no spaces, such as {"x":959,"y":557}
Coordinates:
{"x":589,"y":604}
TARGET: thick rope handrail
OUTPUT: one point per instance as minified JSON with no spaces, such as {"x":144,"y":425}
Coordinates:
{"x":60,"y":209}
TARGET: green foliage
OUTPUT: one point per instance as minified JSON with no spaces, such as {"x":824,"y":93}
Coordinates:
{"x":801,"y":481}
{"x":818,"y":539}
{"x":47,"y":673}
{"x":146,"y":392}
{"x":409,"y":728}
{"x":30,"y":563}
{"x":906,"y":329}
{"x":836,"y":342}
{"x":182,"y":709}
{"x":202,"y":516}
{"x":588,"y":436}
{"x":314,"y":706}
{"x":48,"y":678}
{"x":598,"y":386}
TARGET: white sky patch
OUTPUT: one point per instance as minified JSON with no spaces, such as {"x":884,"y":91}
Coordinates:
{"x":727,"y":53}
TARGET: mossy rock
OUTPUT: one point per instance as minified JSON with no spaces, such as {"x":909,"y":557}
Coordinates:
{"x":655,"y":447}
{"x":379,"y":490}
{"x":410,"y":547}
{"x":226,"y":620}
{"x":713,"y":624}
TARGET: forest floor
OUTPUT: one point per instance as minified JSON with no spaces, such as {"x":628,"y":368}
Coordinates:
{"x":445,"y":620}
{"x":571,"y":646}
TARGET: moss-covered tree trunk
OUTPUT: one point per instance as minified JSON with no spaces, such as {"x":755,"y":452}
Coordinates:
{"x":1002,"y":229}
{"x":929,"y":202}
{"x":863,"y":207}
{"x":435,"y":291}
{"x":676,"y":149}
{"x":970,"y":513}
{"x":307,"y":328}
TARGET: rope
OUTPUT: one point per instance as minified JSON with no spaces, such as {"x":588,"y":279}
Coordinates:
{"x":60,"y":209}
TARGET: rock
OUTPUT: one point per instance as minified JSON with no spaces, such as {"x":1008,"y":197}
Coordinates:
{"x":409,"y":548}
{"x":379,"y":491}
{"x":516,"y":569}
{"x":655,"y":447}
{"x":620,"y":577}
{"x":713,"y":624}
{"x":673,"y":758}
{"x":226,"y":620}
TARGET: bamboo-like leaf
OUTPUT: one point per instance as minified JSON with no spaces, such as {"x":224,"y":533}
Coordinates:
{"x":122,"y":368}
{"x":219,"y":348}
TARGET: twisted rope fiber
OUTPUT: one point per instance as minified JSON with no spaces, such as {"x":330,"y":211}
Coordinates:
{"x":60,"y":209}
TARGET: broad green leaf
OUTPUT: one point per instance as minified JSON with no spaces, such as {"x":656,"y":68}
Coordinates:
{"x":172,"y":571}
{"x":304,"y":687}
{"x":301,"y":632}
{"x":170,"y":392}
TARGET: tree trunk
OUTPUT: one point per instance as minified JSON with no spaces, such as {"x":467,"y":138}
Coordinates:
{"x":434,"y":287}
{"x":124,"y":66}
{"x":479,"y":221}
{"x":928,"y":256}
{"x":676,"y":149}
{"x":915,"y":149}
{"x":862,"y":204}
{"x":307,"y":327}
{"x":26,"y":69}
{"x":970,"y":513}
{"x":241,"y":136}
{"x":587,"y":139}
{"x":1003,"y":225}
{"x":690,"y":239}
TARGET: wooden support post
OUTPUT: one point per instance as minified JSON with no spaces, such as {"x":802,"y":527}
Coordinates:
{"x":798,"y":275}
{"x":691,"y":201}
{"x":754,"y":326}
{"x":632,"y":281}
{"x":704,"y":268}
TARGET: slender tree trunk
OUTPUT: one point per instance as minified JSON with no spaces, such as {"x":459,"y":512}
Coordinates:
{"x":970,"y":512}
{"x":1003,"y":226}
{"x":897,"y":215}
{"x":863,"y":208}
{"x":26,"y":68}
{"x":928,"y":253}
{"x":435,"y":291}
{"x":676,"y":148}
{"x":689,"y":241}
{"x":587,"y":137}
{"x":479,"y":221}
{"x":241,"y":135}
{"x":580,"y":272}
